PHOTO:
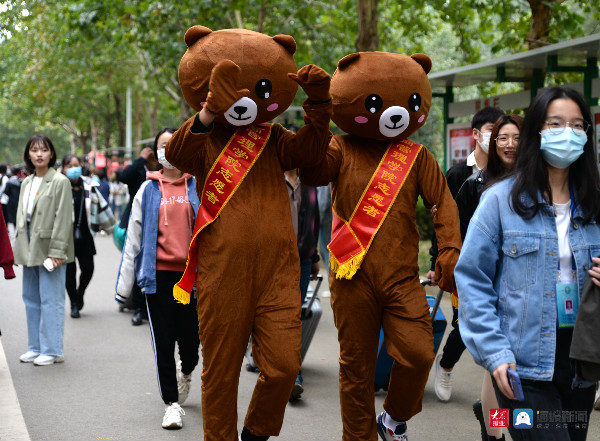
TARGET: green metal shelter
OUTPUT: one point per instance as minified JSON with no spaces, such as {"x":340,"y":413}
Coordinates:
{"x":529,"y":68}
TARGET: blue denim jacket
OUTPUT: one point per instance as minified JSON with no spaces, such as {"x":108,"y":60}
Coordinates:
{"x":140,"y":254}
{"x":506,"y":279}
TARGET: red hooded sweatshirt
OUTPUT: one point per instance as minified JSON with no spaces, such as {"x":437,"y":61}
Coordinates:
{"x":175,"y":222}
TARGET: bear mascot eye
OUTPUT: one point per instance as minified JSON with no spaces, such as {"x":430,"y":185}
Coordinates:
{"x":264,"y":88}
{"x":414,"y":102}
{"x":374,"y":103}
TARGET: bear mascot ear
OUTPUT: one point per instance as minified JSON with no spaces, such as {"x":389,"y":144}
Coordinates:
{"x":348,"y":60}
{"x":423,"y":60}
{"x":287,"y":41}
{"x":195,"y":33}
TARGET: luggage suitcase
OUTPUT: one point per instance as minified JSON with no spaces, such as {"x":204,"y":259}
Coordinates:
{"x":383,"y":368}
{"x":311,"y":314}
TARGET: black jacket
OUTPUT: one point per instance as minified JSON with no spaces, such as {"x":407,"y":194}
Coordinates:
{"x":133,"y":176}
{"x":455,"y":176}
{"x":12,"y":190}
{"x":467,"y":200}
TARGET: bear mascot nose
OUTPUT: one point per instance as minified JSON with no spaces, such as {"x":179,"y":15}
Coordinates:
{"x":240,"y":110}
{"x":395,"y":118}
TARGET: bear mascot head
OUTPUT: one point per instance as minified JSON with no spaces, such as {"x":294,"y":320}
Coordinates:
{"x":264,"y":63}
{"x":381,"y":95}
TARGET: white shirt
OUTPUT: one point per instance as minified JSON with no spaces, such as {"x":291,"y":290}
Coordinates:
{"x":562,"y":219}
{"x":33,"y":190}
{"x":472,"y":162}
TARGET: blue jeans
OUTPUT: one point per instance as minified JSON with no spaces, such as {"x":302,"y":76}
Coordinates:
{"x":44,"y":298}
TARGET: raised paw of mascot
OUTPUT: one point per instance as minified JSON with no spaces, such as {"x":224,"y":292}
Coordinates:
{"x":377,"y":174}
{"x":243,"y":257}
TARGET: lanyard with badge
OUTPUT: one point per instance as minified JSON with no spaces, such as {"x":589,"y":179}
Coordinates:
{"x":567,"y":294}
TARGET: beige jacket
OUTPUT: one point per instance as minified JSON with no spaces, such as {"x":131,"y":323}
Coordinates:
{"x":51,"y":225}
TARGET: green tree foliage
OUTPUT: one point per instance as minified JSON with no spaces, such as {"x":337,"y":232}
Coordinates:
{"x":68,"y":63}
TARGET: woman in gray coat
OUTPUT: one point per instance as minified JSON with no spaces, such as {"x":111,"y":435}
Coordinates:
{"x":43,"y":244}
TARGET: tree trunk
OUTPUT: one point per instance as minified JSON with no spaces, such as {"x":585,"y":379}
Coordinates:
{"x":94,"y":130}
{"x":368,"y":37}
{"x":107,"y":121}
{"x":152,"y":112}
{"x":120,"y":119}
{"x":83,"y":138}
{"x":138,"y":118}
{"x":261,"y":18}
{"x":73,"y":143}
{"x":540,"y":22}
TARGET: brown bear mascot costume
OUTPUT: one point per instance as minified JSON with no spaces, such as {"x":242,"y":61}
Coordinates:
{"x":377,"y":174}
{"x":243,"y":256}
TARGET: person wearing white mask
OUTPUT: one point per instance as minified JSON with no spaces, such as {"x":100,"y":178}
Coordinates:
{"x":532,"y":242}
{"x":154,"y":256}
{"x":481,"y":124}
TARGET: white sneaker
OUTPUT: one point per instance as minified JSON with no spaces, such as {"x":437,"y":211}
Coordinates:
{"x":172,"y":418}
{"x":45,"y":360}
{"x":443,"y":381}
{"x":183,"y":384}
{"x":29,"y":356}
{"x":597,"y":400}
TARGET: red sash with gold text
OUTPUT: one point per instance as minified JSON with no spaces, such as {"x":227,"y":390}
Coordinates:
{"x":350,"y":240}
{"x":224,"y":178}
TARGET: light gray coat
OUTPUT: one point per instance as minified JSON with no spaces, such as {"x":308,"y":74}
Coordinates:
{"x":51,"y":225}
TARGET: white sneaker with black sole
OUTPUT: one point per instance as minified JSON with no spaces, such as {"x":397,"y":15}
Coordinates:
{"x":172,"y":418}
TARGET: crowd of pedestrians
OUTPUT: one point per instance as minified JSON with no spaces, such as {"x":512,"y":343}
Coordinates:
{"x":528,"y":201}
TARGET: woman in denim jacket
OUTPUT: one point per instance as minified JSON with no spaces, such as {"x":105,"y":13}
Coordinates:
{"x":154,"y":256}
{"x":528,"y":250}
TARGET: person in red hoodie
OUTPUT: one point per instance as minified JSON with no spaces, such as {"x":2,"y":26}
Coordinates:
{"x":155,"y":253}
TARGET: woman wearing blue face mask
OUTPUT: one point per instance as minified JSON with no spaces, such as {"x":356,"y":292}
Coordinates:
{"x":91,"y":214}
{"x":529,"y":247}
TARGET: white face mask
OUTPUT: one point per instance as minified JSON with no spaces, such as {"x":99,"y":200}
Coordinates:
{"x":485,"y":144}
{"x":162,"y":160}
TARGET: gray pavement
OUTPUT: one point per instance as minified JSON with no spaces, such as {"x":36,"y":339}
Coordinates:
{"x":106,"y":389}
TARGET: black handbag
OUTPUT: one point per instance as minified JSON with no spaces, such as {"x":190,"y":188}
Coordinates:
{"x":585,"y":345}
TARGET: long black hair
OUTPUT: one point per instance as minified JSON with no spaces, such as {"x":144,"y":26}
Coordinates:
{"x":530,"y":167}
{"x":495,"y":169}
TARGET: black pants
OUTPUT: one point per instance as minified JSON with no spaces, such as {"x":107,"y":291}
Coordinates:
{"x":560,"y":413}
{"x":454,"y":346}
{"x":172,"y":322}
{"x":86,"y":268}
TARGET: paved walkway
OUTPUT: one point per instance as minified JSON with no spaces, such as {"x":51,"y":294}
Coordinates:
{"x":106,"y":389}
{"x":12,"y":423}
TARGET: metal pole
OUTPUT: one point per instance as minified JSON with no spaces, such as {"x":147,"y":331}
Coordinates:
{"x":128,"y":140}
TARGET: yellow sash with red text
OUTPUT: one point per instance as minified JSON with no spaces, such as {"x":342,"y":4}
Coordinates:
{"x":350,"y":240}
{"x":224,"y":178}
